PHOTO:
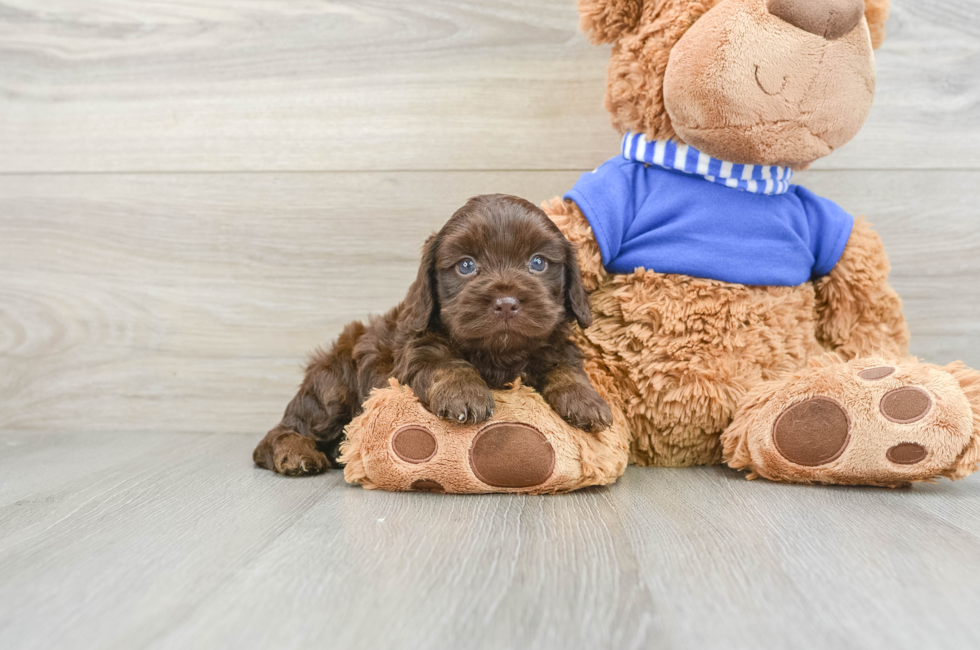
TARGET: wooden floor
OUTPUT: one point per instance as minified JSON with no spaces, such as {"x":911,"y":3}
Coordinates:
{"x":175,"y":541}
{"x":193,"y":195}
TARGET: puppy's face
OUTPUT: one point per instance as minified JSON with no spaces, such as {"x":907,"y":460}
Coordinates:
{"x":502,"y":276}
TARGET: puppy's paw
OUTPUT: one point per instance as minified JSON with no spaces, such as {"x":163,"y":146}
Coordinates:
{"x":462,"y":398}
{"x":296,"y":455}
{"x":580,"y":405}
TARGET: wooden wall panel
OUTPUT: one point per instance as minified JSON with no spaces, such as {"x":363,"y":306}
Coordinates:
{"x":188,"y":301}
{"x":227,"y":85}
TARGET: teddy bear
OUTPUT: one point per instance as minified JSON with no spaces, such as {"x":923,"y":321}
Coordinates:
{"x":738,"y":318}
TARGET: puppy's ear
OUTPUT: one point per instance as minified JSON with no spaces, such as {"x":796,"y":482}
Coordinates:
{"x":421,"y":304}
{"x":576,"y":299}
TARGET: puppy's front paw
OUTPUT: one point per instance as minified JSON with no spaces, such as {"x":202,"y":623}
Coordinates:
{"x":580,"y":405}
{"x":462,"y":398}
{"x":296,"y":455}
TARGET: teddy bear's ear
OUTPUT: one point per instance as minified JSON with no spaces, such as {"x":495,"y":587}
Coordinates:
{"x":604,"y":21}
{"x":876,"y":11}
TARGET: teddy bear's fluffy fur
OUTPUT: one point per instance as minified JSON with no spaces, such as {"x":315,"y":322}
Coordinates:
{"x":808,"y":383}
{"x":685,"y":351}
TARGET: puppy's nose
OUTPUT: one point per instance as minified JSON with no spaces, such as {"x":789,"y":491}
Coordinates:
{"x":828,"y":18}
{"x":506,"y":307}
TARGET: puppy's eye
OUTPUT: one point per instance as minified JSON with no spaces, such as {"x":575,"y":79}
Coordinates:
{"x":466,"y":266}
{"x":538,"y":263}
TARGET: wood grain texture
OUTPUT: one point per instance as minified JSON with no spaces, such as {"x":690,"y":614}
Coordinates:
{"x":187,"y":546}
{"x":224,"y":85}
{"x":188,"y":302}
{"x":195,"y":194}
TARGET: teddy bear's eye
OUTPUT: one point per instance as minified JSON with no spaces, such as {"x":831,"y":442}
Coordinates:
{"x":466,"y":266}
{"x":538,"y":264}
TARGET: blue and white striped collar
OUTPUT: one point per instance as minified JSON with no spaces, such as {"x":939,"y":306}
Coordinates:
{"x":670,"y":154}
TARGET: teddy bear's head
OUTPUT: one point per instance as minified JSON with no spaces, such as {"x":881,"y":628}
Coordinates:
{"x":765,"y":82}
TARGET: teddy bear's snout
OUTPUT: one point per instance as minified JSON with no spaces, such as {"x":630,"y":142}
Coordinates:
{"x":828,"y":18}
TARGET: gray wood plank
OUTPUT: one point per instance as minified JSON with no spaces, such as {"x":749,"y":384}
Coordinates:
{"x":721,"y":563}
{"x":32,"y":462}
{"x":187,"y":545}
{"x":494,"y":571}
{"x":188,"y":302}
{"x":769,"y":565}
{"x":114,"y":558}
{"x":383,"y":85}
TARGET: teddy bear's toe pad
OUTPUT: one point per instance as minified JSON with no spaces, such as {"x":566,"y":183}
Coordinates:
{"x":905,"y":405}
{"x":907,"y":453}
{"x":874,"y":374}
{"x":856,"y":423}
{"x":427,"y":485}
{"x":414,"y":444}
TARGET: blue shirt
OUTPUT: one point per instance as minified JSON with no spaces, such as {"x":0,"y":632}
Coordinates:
{"x":648,"y":216}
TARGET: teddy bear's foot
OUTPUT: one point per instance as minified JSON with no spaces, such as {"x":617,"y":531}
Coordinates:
{"x":864,"y":422}
{"x":397,"y":445}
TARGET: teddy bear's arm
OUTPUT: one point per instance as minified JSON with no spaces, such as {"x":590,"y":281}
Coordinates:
{"x":858,"y":313}
{"x":573,"y":224}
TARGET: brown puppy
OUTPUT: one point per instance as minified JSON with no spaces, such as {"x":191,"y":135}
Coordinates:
{"x":496,"y":290}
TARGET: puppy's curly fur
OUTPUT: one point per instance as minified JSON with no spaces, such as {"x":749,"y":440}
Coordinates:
{"x":497,"y":290}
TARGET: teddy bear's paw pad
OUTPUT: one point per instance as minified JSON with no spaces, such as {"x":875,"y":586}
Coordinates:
{"x":878,"y":425}
{"x":414,"y":444}
{"x":813,"y":432}
{"x":511,"y":455}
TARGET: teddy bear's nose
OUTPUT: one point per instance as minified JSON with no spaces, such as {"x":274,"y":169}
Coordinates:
{"x":828,"y":18}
